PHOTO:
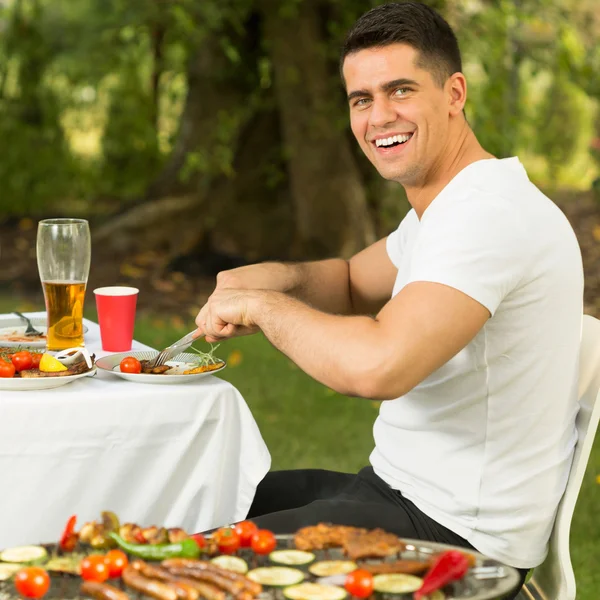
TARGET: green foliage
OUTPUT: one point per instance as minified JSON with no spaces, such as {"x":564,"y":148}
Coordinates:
{"x":129,"y":160}
{"x":91,"y":92}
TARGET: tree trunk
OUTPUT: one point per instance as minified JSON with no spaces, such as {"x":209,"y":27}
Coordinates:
{"x":332,"y":217}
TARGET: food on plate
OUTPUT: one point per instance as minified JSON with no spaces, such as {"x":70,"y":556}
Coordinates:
{"x":228,"y":540}
{"x":94,"y":568}
{"x":157,"y":589}
{"x":373,"y":543}
{"x":230,"y":563}
{"x":32,"y":582}
{"x":17,"y":335}
{"x":276,"y":576}
{"x":24,"y":555}
{"x":186,"y":548}
{"x":23,"y":363}
{"x":448,"y":566}
{"x":356,"y":542}
{"x":116,"y":561}
{"x":130,"y":364}
{"x":245,"y":529}
{"x":96,"y":533}
{"x":291,"y":557}
{"x":324,"y":568}
{"x":7,"y":570}
{"x":102,"y":591}
{"x":322,"y":536}
{"x":410,"y":567}
{"x":314,"y":591}
{"x":263,"y":542}
{"x":397,"y":583}
{"x":359,"y":583}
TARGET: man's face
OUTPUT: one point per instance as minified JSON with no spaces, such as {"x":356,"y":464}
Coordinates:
{"x":398,"y":114}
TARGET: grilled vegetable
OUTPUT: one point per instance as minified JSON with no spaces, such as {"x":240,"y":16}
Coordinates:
{"x":449,"y":566}
{"x":276,"y":576}
{"x":68,"y":539}
{"x":27,"y":555}
{"x":324,"y":568}
{"x":314,"y":591}
{"x":396,"y":583}
{"x":184,"y":549}
{"x":8,"y":570}
{"x":230,"y":563}
{"x":291,"y":557}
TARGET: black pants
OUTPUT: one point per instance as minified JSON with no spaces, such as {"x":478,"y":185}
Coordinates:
{"x":288,"y":500}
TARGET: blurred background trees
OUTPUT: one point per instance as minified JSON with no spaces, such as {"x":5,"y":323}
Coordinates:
{"x":190,"y":127}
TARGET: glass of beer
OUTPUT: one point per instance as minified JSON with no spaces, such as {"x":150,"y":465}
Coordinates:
{"x":64,"y":252}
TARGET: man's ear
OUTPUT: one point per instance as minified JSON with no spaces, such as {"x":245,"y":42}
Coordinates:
{"x":456,"y":88}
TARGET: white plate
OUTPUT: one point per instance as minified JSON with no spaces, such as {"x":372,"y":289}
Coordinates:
{"x":14,"y":326}
{"x":18,"y":384}
{"x":179,"y":364}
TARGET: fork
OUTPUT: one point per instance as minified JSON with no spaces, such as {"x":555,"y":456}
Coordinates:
{"x":173,"y":350}
{"x":30,"y":330}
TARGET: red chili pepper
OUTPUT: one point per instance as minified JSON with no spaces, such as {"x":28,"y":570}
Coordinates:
{"x":199,"y":539}
{"x":68,"y":540}
{"x":449,"y":566}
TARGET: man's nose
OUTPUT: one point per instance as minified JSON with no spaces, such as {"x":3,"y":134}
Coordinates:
{"x":382,"y":113}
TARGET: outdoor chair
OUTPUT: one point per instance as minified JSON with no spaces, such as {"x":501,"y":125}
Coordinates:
{"x":554,"y":578}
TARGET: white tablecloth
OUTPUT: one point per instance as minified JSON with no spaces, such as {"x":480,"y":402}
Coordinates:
{"x":186,"y":455}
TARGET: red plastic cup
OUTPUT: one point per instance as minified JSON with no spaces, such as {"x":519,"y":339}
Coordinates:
{"x":116,"y":316}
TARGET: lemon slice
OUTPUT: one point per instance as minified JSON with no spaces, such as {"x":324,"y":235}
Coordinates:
{"x":49,"y":364}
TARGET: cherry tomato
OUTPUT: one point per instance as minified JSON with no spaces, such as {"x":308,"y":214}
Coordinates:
{"x":35,"y":360}
{"x":359,"y":583}
{"x":263,"y":542}
{"x":130,"y":365}
{"x":94,"y":568}
{"x":199,"y":539}
{"x":227,"y":539}
{"x":245,"y":529}
{"x":32,"y":582}
{"x":116,"y":560}
{"x":22,"y":361}
{"x":7,"y":369}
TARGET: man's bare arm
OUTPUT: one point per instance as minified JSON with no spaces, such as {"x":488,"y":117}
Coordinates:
{"x":361,"y":285}
{"x":382,"y":358}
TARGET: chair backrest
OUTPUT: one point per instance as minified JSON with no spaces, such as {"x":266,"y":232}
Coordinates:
{"x":554,"y":579}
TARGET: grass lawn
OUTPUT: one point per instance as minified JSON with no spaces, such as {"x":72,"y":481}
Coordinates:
{"x":307,"y":425}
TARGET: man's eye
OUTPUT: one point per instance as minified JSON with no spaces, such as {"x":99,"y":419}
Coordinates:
{"x":361,"y":102}
{"x":401,"y":91}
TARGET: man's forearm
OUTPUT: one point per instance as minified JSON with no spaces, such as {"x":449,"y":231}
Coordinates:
{"x":324,"y":285}
{"x":341,"y":352}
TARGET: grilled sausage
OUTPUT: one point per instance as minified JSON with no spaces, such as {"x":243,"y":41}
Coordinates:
{"x":102,"y":591}
{"x":192,"y":588}
{"x":204,"y":566}
{"x":230,"y":586}
{"x":157,"y":589}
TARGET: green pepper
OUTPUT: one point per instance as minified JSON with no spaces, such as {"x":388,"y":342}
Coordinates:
{"x":184,"y":549}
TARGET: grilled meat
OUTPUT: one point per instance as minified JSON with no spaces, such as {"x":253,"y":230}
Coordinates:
{"x":374,"y":543}
{"x":409,"y":567}
{"x":321,"y":536}
{"x":102,"y":591}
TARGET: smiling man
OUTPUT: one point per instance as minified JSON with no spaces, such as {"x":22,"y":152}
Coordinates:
{"x":465,"y":321}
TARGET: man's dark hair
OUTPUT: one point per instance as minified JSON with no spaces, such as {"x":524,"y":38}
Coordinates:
{"x":412,"y":23}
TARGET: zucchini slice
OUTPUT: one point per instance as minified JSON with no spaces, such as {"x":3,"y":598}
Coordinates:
{"x":325,"y":568}
{"x":7,"y":570}
{"x":26,"y":555}
{"x":276,"y":576}
{"x":291,"y":557}
{"x":231,"y":563}
{"x":396,"y":583}
{"x":314,"y":591}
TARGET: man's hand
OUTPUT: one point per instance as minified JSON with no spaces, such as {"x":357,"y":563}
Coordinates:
{"x":227,"y":314}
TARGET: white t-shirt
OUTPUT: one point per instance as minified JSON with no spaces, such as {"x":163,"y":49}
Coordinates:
{"x":484,"y":444}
